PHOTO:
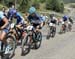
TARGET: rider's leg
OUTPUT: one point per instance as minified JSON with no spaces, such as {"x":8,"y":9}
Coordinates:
{"x":2,"y":35}
{"x":41,"y":24}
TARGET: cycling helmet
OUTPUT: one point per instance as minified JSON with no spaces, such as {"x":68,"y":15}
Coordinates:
{"x":12,"y":11}
{"x":65,"y":17}
{"x":32,"y":10}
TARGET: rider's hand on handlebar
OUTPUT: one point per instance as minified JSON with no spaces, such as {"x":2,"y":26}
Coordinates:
{"x":19,"y":26}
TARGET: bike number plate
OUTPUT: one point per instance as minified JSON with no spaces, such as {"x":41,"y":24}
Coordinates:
{"x":12,"y":25}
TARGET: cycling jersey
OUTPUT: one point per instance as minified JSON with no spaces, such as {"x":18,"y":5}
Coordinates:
{"x":2,"y":23}
{"x":53,"y":20}
{"x":11,"y":12}
{"x":36,"y":17}
{"x":65,"y":18}
{"x":43,"y":18}
{"x":19,"y":18}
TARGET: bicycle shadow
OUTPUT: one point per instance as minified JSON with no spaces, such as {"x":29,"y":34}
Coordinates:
{"x":24,"y":53}
{"x":6,"y":56}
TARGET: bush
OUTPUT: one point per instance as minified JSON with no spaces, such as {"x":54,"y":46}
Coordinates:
{"x":1,"y":6}
{"x":24,"y":5}
{"x":42,"y":1}
{"x":62,"y":7}
{"x":36,"y":5}
{"x":55,"y":5}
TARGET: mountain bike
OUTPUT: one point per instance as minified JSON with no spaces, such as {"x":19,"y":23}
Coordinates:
{"x":52,"y":31}
{"x":33,"y":40}
{"x":8,"y":49}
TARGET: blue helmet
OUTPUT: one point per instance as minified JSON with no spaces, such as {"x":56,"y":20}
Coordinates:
{"x":32,"y":10}
{"x":12,"y":11}
{"x":65,"y":18}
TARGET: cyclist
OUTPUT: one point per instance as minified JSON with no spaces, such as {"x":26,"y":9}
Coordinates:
{"x":4,"y":26}
{"x":19,"y":18}
{"x":65,"y":19}
{"x":11,"y":11}
{"x":20,"y":22}
{"x":52,"y":26}
{"x":52,"y":20}
{"x":64,"y":23}
{"x":34,"y":18}
{"x":70,"y":20}
{"x":5,"y":11}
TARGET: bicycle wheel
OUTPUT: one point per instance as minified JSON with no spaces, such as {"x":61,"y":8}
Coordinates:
{"x":26,"y":45}
{"x":69,"y":27}
{"x":53,"y":32}
{"x":39,"y":40}
{"x":11,"y":44}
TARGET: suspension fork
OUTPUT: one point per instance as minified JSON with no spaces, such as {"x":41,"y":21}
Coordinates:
{"x":63,"y":26}
{"x":31,"y":37}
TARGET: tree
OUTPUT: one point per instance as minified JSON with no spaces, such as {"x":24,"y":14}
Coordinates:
{"x":42,"y":1}
{"x":7,"y":3}
{"x":36,"y":4}
{"x":24,"y":5}
{"x":54,"y":5}
{"x":62,"y":7}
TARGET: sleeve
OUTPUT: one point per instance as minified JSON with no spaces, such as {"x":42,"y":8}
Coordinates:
{"x":29,"y":18}
{"x":2,"y":16}
{"x":37,"y":16}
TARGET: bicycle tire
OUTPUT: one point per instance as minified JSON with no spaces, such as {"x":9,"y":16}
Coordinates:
{"x":26,"y":43}
{"x":39,"y":41}
{"x":13,"y":47}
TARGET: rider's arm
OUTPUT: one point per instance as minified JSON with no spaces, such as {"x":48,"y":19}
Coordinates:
{"x":6,"y":23}
{"x":29,"y":18}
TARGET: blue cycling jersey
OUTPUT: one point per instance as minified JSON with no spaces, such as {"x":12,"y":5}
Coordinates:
{"x":2,"y":23}
{"x":19,"y":18}
{"x":11,"y":12}
{"x":35,"y":17}
{"x":43,"y":18}
{"x":65,"y":18}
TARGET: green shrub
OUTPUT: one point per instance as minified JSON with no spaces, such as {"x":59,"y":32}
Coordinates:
{"x":1,"y":6}
{"x":55,"y":5}
{"x":24,"y":5}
